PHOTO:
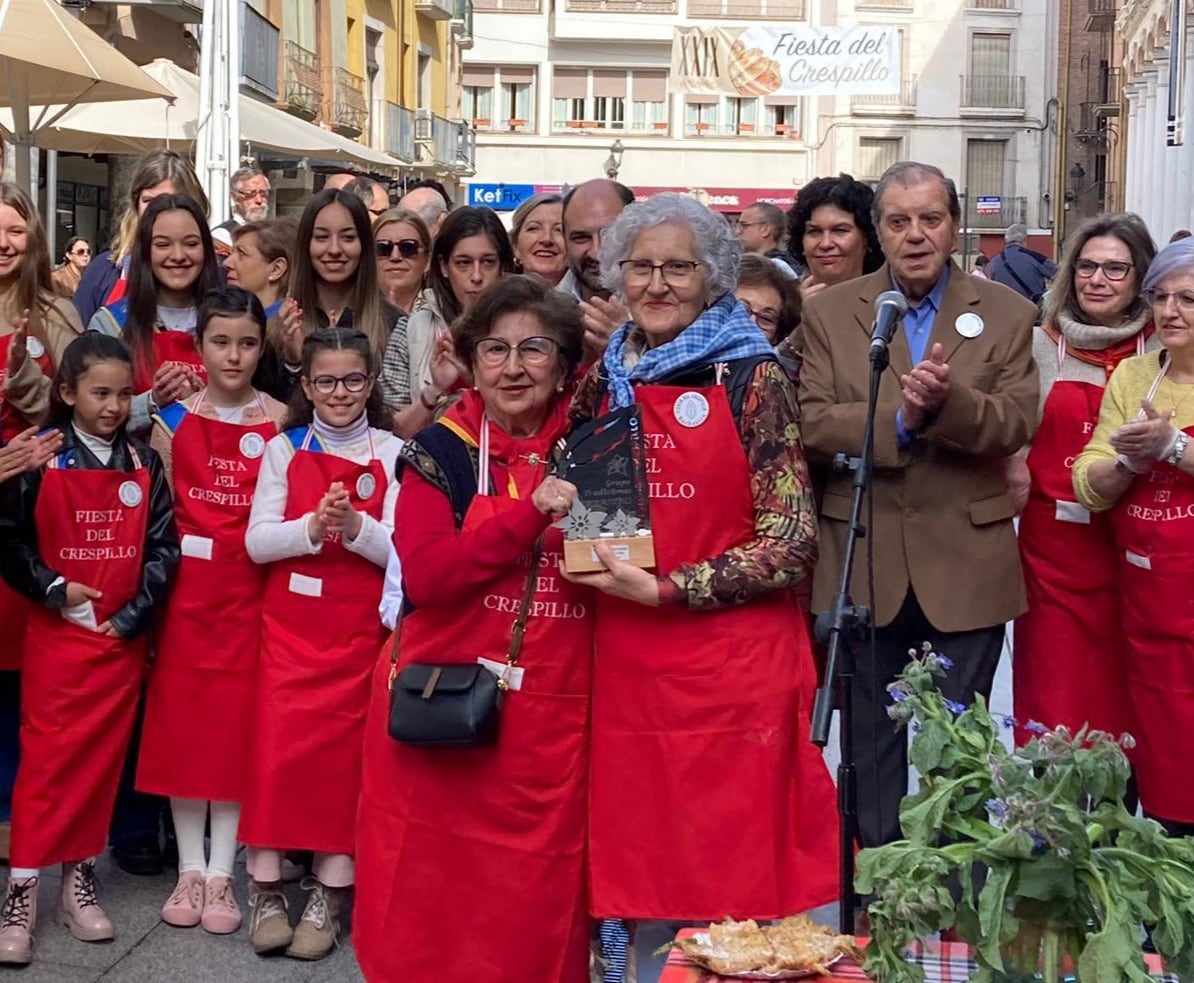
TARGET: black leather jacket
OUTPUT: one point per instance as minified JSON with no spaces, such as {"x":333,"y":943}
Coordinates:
{"x":22,"y":566}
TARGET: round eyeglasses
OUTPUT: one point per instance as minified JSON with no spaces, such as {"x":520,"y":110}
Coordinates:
{"x":354,"y":382}
{"x":531,"y":351}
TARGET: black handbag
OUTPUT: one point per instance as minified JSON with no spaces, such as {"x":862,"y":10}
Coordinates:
{"x":455,"y":704}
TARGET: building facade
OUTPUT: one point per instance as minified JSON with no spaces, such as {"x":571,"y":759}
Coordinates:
{"x":558,"y":90}
{"x":1157,"y":176}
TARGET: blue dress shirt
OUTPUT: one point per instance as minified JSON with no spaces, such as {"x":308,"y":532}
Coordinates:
{"x":918,"y":328}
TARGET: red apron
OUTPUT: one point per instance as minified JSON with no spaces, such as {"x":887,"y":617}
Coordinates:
{"x":79,"y":695}
{"x":320,"y":636}
{"x":169,"y":346}
{"x":488,"y":842}
{"x":195,"y":677}
{"x":707,"y":797}
{"x":1154,"y":534}
{"x":1069,"y":653}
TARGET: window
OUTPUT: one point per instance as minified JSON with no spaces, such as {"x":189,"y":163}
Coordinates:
{"x":649,"y":95}
{"x":876,"y":155}
{"x":742,"y":116}
{"x":700,"y":115}
{"x":501,"y":98}
{"x":423,"y":79}
{"x":589,"y":100}
{"x":476,"y":96}
{"x":991,"y":84}
{"x":517,"y":109}
{"x":990,"y":54}
{"x":985,"y":167}
{"x":781,"y":116}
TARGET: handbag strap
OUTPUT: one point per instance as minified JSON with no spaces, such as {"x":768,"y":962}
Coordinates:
{"x":518,"y":629}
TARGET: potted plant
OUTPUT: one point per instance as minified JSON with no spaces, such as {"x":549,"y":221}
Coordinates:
{"x":1028,"y":855}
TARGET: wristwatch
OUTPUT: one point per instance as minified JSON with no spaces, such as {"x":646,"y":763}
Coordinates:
{"x":1180,"y":443}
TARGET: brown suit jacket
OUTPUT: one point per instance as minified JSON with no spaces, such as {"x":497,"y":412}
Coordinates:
{"x":943,"y":518}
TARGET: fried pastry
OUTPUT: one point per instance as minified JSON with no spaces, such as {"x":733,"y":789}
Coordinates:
{"x":796,"y":944}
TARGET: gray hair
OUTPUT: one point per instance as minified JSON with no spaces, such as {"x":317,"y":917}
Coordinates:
{"x":1174,"y":259}
{"x":910,"y":172}
{"x":528,"y":206}
{"x":714,"y":242}
{"x":241,"y":175}
{"x":1016,"y":233}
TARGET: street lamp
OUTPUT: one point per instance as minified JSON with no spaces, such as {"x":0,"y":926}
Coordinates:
{"x":613,"y":163}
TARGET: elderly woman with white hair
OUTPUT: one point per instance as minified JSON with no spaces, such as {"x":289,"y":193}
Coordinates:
{"x":707,"y":798}
{"x":1139,"y":467}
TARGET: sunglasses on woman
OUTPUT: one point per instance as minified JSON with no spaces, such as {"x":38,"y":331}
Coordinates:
{"x":407,"y":248}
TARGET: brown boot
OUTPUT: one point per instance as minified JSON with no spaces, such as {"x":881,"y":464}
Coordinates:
{"x":269,"y":924}
{"x":319,"y":926}
{"x":80,"y":909}
{"x":17,"y":917}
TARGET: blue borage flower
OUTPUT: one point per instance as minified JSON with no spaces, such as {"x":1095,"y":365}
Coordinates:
{"x":997,"y":808}
{"x":897,"y":695}
{"x":1009,"y":721}
{"x":956,"y":708}
{"x":1036,"y":727}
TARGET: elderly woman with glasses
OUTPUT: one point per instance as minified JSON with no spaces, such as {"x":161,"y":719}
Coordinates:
{"x":703,"y":673}
{"x":1139,"y":470}
{"x":1069,"y":645}
{"x":471,"y":861}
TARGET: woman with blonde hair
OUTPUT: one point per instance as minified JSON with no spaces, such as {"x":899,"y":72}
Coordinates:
{"x":537,"y":234}
{"x":403,"y":244}
{"x":105,"y":281}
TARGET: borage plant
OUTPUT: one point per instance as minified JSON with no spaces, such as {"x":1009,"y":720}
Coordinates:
{"x":1029,"y":854}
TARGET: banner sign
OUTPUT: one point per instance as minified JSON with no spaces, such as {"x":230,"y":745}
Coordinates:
{"x":786,"y":60}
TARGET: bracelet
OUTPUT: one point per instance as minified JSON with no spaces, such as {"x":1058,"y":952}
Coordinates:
{"x":1177,"y":448}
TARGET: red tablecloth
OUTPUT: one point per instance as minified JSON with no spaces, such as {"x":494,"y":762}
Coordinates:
{"x":951,"y":964}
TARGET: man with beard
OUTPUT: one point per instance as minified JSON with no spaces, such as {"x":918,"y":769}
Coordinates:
{"x":589,"y":209}
{"x":250,"y":203}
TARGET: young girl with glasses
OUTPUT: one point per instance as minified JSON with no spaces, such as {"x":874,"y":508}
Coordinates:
{"x":322,"y":521}
{"x":212,"y":445}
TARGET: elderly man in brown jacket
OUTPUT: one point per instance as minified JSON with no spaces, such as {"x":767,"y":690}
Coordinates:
{"x":958,"y":399}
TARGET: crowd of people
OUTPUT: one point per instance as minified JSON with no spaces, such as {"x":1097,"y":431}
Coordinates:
{"x":212,"y":579}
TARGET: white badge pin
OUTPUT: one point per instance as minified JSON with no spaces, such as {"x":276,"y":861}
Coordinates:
{"x":691,"y":409}
{"x":252,"y":445}
{"x":34,"y":347}
{"x":969,"y":325}
{"x":366,"y":486}
{"x":130,"y":494}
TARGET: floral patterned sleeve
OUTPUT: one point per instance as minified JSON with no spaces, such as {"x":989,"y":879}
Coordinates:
{"x":784,"y":548}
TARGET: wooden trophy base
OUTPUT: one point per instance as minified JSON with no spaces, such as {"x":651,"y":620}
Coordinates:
{"x":581,"y":557}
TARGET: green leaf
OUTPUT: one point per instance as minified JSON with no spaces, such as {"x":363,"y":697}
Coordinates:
{"x":1113,"y":955}
{"x":1046,"y":878}
{"x":992,"y":906}
{"x":925,"y":753}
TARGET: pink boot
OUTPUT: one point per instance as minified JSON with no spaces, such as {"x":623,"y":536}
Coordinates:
{"x":184,"y":908}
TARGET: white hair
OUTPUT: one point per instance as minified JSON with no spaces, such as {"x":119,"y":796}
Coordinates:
{"x":714,"y":242}
{"x":1176,"y":258}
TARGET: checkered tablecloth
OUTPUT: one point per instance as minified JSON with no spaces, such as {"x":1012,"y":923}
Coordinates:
{"x":943,"y":962}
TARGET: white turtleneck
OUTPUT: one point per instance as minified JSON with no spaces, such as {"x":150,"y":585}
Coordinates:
{"x":98,"y":446}
{"x":272,"y":537}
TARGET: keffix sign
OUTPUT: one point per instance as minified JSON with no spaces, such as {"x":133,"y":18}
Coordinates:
{"x":791,"y":59}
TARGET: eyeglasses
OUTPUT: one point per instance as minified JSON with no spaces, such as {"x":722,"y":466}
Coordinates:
{"x":249,"y":195}
{"x":1183,"y":299}
{"x":747,"y":225}
{"x":407,"y":248}
{"x":531,"y":351}
{"x":81,"y":252}
{"x":354,"y":382}
{"x":1113,"y":269}
{"x":675,"y":272}
{"x":764,"y":318}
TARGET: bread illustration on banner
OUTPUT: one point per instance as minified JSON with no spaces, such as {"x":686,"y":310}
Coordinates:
{"x":752,"y":73}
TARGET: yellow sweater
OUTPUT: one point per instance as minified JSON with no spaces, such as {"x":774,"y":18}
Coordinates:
{"x":1127,"y":387}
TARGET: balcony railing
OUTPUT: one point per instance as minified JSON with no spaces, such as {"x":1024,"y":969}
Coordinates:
{"x":302,"y":82}
{"x":897,"y":104}
{"x":509,"y":6}
{"x":747,"y":9}
{"x":1100,"y":15}
{"x":993,"y":4}
{"x":462,"y":24}
{"x":435,"y":9}
{"x":348,"y":110}
{"x":258,"y":53}
{"x":620,"y":6}
{"x":993,"y":92}
{"x":1011,"y":211}
{"x":466,"y":149}
{"x":398,"y":136}
{"x":1110,"y":87}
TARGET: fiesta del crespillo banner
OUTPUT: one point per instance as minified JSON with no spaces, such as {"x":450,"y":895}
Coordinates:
{"x":787,"y":59}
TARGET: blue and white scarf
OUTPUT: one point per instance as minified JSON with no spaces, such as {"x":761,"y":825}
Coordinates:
{"x":723,"y":332}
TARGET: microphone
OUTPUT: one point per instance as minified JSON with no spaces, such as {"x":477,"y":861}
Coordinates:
{"x":890,"y":307}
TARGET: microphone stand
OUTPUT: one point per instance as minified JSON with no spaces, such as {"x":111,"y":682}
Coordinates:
{"x":844,"y":629}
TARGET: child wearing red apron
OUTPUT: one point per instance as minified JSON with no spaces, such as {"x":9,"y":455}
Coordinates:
{"x":321,"y":523}
{"x":173,"y":266}
{"x":211,"y":445}
{"x":91,"y":541}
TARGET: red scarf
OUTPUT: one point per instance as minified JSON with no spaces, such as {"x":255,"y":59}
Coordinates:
{"x":504,"y":449}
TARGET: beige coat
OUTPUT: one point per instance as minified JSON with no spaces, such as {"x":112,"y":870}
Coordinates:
{"x":943,"y":517}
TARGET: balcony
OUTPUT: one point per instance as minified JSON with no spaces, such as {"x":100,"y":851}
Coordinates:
{"x":1100,"y":15}
{"x":508,"y":6}
{"x":789,"y":10}
{"x":1110,"y":93}
{"x":302,"y":81}
{"x":179,"y":11}
{"x":347,"y":110}
{"x":1092,"y":128}
{"x":466,"y":149}
{"x":398,"y":130}
{"x":1004,"y":5}
{"x":462,"y":24}
{"x":1011,"y":211}
{"x":902,"y":103}
{"x":995,"y":95}
{"x":620,"y":6}
{"x":258,"y":53}
{"x":437,"y":141}
{"x":435,"y":9}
